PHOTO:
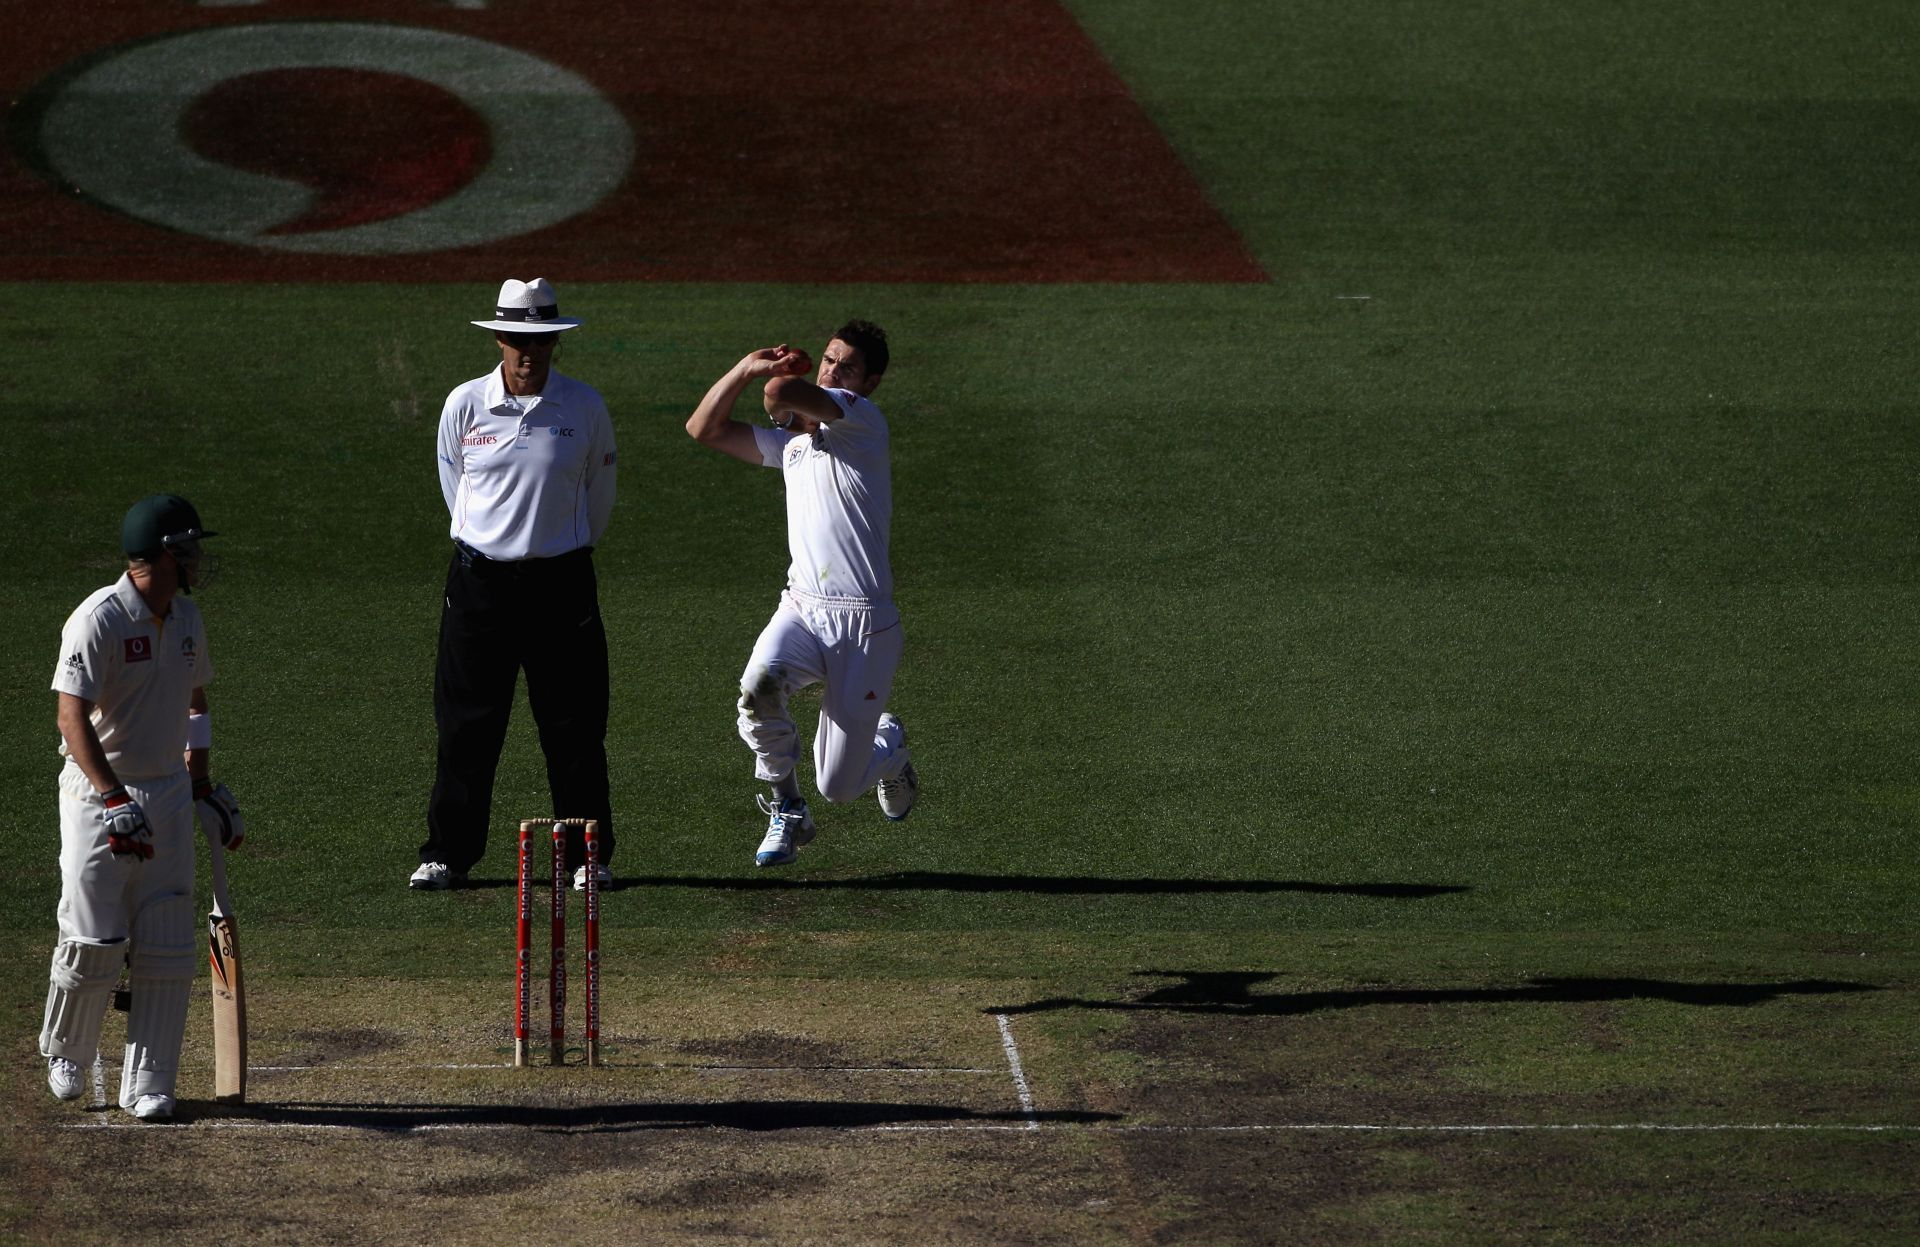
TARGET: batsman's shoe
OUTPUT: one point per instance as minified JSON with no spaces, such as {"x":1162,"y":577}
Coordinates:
{"x":435,"y":877}
{"x":153,"y":1108}
{"x":601,"y":872}
{"x":789,"y":829}
{"x":63,"y":1078}
{"x":898,"y":794}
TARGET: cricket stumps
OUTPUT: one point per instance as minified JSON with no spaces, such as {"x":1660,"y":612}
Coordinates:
{"x":557,"y":955}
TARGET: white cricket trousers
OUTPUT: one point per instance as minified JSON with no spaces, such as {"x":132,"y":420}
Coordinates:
{"x":852,"y":647}
{"x":114,"y":909}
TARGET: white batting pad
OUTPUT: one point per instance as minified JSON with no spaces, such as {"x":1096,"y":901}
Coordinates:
{"x":165,"y":951}
{"x":156,"y":1027}
{"x":82,"y":979}
{"x":166,"y":938}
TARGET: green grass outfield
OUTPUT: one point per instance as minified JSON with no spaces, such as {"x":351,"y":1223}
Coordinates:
{"x":1519,"y":588}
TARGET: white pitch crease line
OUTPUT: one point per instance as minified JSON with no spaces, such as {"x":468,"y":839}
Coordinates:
{"x":665,"y":1065}
{"x":308,"y":1125}
{"x":99,"y":1082}
{"x":1019,"y":1076}
{"x":1506,"y":1127}
{"x":374,"y":1069}
{"x":831,"y":1069}
{"x":1313,"y":1128}
{"x":107,"y":1123}
{"x":1568,"y":1127}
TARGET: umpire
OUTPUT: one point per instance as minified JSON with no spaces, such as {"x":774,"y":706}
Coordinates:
{"x":527,"y":467}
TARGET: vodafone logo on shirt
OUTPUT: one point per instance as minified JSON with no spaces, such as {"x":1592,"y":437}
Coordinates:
{"x":139,"y":649}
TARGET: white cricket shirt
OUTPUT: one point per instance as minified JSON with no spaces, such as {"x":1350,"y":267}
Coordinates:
{"x":839,"y":501}
{"x":527,"y":478}
{"x":139,"y":672}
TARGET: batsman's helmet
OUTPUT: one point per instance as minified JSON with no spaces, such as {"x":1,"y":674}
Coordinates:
{"x":161,"y":522}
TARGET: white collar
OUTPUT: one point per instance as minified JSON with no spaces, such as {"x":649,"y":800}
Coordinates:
{"x":130,"y":599}
{"x":499,"y":400}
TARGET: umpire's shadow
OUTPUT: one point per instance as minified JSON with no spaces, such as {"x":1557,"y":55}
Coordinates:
{"x":485,"y":884}
{"x":1231,"y":993}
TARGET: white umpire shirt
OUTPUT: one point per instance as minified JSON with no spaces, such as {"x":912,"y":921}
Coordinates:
{"x":839,"y":502}
{"x":139,"y":672}
{"x":527,"y":478}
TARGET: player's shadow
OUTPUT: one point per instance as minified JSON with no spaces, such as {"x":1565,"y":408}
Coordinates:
{"x":1231,"y":993}
{"x":1044,"y":885}
{"x":484,"y":883}
{"x":750,"y":1115}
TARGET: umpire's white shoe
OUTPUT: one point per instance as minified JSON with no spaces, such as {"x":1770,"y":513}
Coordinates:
{"x":153,"y":1108}
{"x":602,"y":873}
{"x":789,"y":829}
{"x":898,"y":794}
{"x":435,"y":877}
{"x":63,"y":1078}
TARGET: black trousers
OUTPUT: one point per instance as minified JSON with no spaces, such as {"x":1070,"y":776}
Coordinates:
{"x":543,"y":616}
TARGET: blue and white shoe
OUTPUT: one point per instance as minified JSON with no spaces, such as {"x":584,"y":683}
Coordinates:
{"x":898,"y":794}
{"x":789,"y":829}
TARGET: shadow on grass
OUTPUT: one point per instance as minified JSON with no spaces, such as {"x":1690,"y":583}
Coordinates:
{"x":752,"y":1115}
{"x":1231,"y":992}
{"x":1046,"y":885}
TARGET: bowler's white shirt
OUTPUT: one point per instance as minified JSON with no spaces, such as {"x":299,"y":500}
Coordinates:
{"x":527,"y":478}
{"x":139,"y":672}
{"x":839,"y":501}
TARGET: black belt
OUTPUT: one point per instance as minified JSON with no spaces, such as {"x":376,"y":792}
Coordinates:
{"x":470,"y":557}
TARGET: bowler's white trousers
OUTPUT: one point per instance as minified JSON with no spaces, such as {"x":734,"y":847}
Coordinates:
{"x":852,"y":647}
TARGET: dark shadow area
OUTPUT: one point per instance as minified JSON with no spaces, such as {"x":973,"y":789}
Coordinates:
{"x":756,"y":1115}
{"x":1231,"y":992}
{"x":542,"y":885}
{"x":1044,"y":885}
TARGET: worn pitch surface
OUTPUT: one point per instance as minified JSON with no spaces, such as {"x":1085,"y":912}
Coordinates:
{"x":1158,"y":1105}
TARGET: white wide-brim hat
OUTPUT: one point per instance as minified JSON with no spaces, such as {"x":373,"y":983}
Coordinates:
{"x":527,"y":307}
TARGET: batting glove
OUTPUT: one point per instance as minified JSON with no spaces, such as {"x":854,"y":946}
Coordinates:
{"x":127,"y":830}
{"x":219,"y":812}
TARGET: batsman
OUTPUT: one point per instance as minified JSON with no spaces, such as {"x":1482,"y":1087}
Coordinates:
{"x":136,"y":735}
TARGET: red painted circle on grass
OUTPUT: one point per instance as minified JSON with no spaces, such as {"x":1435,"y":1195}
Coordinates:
{"x":372,"y":145}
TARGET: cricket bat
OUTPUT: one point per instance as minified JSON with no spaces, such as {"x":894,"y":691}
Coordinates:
{"x":229,"y":989}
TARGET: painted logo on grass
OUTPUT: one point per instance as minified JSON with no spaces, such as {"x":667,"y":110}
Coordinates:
{"x":676,"y":140}
{"x":456,"y":141}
